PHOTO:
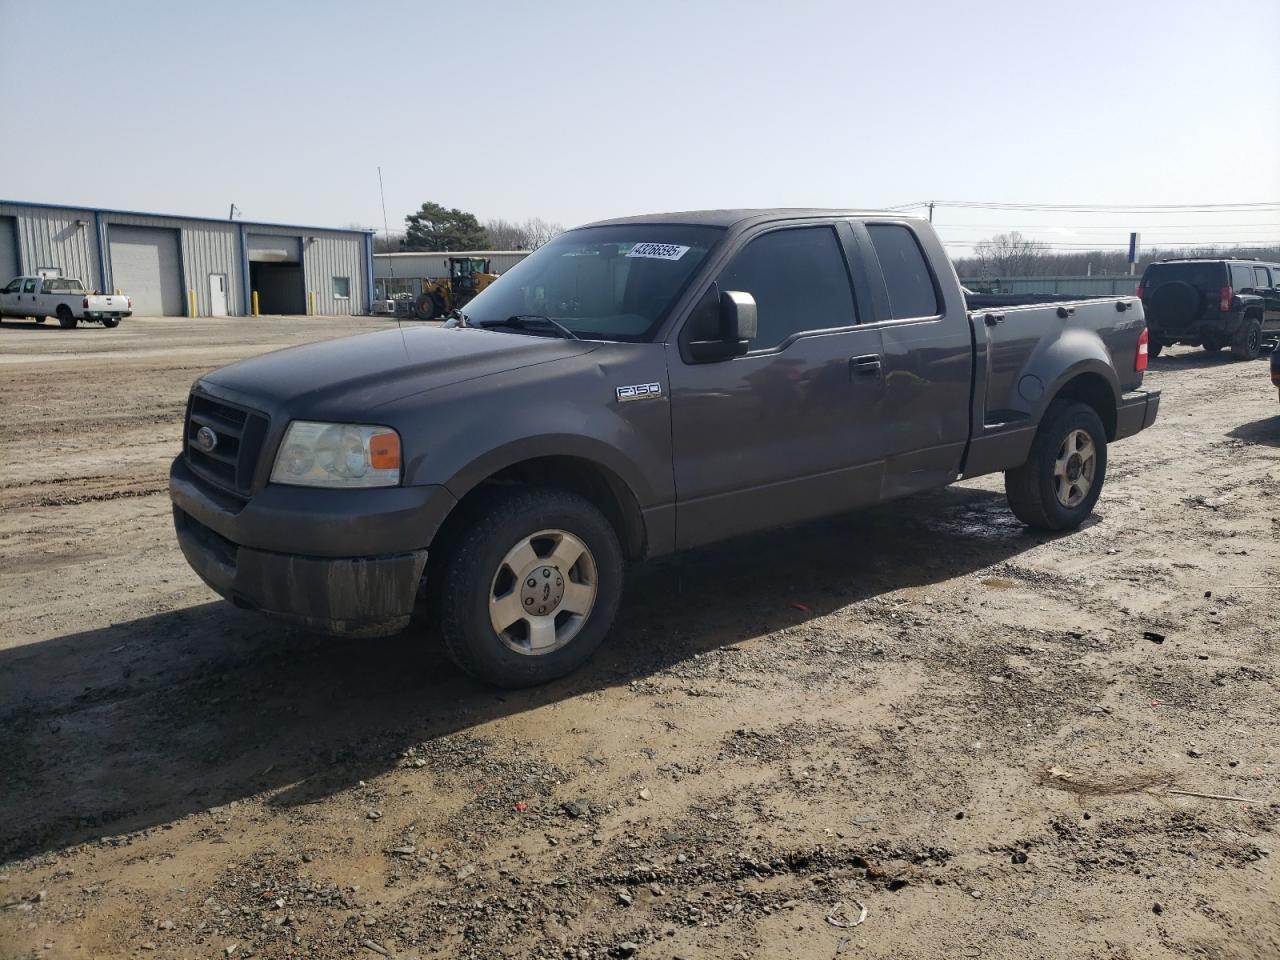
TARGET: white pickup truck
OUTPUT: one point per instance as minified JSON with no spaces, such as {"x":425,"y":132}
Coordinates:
{"x":61,"y":297}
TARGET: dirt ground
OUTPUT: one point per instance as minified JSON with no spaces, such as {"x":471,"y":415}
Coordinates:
{"x":976,"y":733}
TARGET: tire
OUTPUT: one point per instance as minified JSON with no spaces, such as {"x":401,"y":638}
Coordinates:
{"x":111,"y":322}
{"x":1034,"y":488}
{"x":480,"y":571}
{"x":1154,"y":347}
{"x":1247,"y":343}
{"x":65,"y":318}
{"x":430,"y":306}
{"x":1211,"y":346}
{"x":40,"y":319}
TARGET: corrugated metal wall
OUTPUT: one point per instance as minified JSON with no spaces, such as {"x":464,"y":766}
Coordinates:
{"x":331,"y":255}
{"x":69,"y":238}
{"x":206,"y":247}
{"x":424,"y":265}
{"x":53,"y":237}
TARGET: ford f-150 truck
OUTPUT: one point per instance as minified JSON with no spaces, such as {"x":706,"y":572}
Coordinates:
{"x":636,"y":387}
{"x":61,"y":297}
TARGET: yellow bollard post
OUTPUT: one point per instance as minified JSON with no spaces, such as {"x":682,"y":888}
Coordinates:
{"x":255,"y":303}
{"x":311,"y":306}
{"x":191,"y":303}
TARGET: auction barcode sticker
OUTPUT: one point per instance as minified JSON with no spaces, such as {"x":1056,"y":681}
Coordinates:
{"x":658,"y":251}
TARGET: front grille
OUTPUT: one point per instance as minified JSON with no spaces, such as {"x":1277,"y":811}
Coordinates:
{"x":233,"y":461}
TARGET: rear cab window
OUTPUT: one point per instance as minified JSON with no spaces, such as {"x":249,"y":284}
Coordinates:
{"x":907,"y":277}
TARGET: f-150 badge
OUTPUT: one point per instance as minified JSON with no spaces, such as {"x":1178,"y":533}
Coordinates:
{"x":639,"y":391}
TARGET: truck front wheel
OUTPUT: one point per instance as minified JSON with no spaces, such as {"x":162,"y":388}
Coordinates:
{"x":530,"y":588}
{"x":1060,"y":482}
{"x":65,"y":317}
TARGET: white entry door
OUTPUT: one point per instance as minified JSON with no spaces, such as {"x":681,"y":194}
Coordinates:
{"x":218,"y":294}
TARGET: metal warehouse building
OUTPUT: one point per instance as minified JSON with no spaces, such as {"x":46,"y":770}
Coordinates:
{"x":404,"y":272}
{"x":191,"y":266}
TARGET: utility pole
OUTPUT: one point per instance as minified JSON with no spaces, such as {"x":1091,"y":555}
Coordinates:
{"x":931,"y":211}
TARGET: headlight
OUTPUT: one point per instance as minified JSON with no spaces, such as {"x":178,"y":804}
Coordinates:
{"x":337,"y":455}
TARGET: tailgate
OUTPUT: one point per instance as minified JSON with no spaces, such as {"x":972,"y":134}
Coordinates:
{"x":109,"y":303}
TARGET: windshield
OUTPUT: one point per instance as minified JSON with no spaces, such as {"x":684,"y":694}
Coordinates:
{"x":602,"y":283}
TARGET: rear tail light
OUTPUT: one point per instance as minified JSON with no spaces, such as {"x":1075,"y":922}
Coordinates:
{"x":86,"y":303}
{"x":130,"y":302}
{"x":1140,"y":359}
{"x":1141,"y":291}
{"x":1224,"y":299}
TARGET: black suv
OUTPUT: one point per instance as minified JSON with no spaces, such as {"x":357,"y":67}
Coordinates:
{"x":1212,"y":303}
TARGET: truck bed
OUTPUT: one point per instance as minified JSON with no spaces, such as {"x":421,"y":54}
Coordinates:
{"x":1024,"y":351}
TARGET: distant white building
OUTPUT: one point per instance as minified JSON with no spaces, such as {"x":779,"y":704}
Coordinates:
{"x":404,"y":272}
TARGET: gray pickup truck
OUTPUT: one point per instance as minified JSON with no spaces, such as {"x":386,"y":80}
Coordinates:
{"x":636,"y":387}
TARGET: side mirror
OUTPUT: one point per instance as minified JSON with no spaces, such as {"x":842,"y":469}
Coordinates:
{"x":736,"y":328}
{"x":738,"y":318}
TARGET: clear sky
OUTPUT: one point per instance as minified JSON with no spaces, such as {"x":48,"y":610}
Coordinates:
{"x":575,"y":111}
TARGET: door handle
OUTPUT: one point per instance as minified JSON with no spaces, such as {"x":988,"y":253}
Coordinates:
{"x":991,"y":319}
{"x":867,"y":365}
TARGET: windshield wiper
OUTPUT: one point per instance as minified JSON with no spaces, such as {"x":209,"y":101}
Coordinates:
{"x":527,"y":321}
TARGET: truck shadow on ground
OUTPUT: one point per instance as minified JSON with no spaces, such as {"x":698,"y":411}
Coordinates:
{"x":1265,"y":431}
{"x":1192,"y":357}
{"x":14,"y":325}
{"x":137,"y":724}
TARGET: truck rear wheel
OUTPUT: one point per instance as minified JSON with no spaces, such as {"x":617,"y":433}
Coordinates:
{"x":1060,"y":482}
{"x":530,"y":587}
{"x":66,"y":318}
{"x":1247,"y":343}
{"x":110,"y":322}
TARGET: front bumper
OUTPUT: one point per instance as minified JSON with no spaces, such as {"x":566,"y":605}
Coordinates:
{"x":348,"y":564}
{"x":1136,"y":411}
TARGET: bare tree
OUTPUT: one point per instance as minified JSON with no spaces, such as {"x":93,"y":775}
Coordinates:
{"x":505,"y":235}
{"x":1079,"y":263}
{"x":539,"y":231}
{"x":1009,"y":255}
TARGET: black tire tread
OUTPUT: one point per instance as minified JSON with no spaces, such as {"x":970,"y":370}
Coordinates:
{"x":1240,"y":342}
{"x":461,"y":575}
{"x":1023,"y":485}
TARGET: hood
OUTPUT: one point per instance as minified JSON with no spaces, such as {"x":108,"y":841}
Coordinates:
{"x":353,"y":374}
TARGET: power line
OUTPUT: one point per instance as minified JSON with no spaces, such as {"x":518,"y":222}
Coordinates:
{"x":1120,"y":226}
{"x":1096,"y":207}
{"x":1106,"y":247}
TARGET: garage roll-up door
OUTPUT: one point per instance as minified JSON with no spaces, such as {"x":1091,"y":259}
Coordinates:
{"x":8,"y":249}
{"x":145,"y":265}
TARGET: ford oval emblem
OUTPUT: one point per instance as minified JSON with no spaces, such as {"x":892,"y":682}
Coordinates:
{"x":206,"y":439}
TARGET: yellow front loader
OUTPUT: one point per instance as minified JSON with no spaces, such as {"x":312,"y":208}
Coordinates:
{"x":467,"y":277}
